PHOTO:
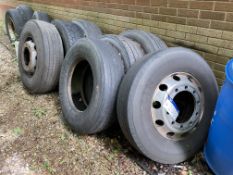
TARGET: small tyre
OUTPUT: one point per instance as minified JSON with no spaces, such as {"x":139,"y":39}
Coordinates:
{"x":88,"y":85}
{"x":149,"y":42}
{"x":69,"y":33}
{"x":25,"y":11}
{"x":14,"y":24}
{"x":40,"y":56}
{"x":165,"y":104}
{"x":129,"y":50}
{"x":41,"y":16}
{"x":89,"y":29}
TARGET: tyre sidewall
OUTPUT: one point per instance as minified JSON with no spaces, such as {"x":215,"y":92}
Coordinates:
{"x":101,"y":109}
{"x":146,"y":137}
{"x":31,"y":82}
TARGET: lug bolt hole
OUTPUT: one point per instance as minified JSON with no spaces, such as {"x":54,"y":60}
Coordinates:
{"x":176,"y":90}
{"x":190,"y":79}
{"x":175,"y":77}
{"x":173,"y":122}
{"x":170,"y":134}
{"x":163,"y":87}
{"x":159,"y":122}
{"x":186,"y":87}
{"x":156,"y":104}
{"x":167,"y":113}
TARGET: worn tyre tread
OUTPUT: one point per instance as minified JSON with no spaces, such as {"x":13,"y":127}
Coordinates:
{"x":148,"y":41}
{"x":51,"y":51}
{"x":107,"y":73}
{"x":69,"y":32}
{"x":89,"y":28}
{"x":41,"y":16}
{"x":135,"y":86}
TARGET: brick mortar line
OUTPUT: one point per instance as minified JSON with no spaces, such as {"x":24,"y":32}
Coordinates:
{"x":145,"y":24}
{"x":137,"y":22}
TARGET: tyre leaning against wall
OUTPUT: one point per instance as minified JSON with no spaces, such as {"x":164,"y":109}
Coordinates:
{"x":88,"y":28}
{"x":165,"y":104}
{"x":148,"y":41}
{"x":69,"y":32}
{"x":41,"y":16}
{"x":40,"y":56}
{"x":14,"y":24}
{"x":97,"y":65}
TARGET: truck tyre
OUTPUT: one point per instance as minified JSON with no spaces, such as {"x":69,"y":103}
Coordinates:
{"x":40,"y":56}
{"x":41,"y":16}
{"x":129,"y":50}
{"x":148,"y":41}
{"x":14,"y":24}
{"x":88,"y":85}
{"x":69,"y":33}
{"x":26,"y":12}
{"x":165,"y":104}
{"x":88,"y":28}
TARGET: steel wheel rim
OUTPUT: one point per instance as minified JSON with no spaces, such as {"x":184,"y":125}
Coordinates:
{"x":177,"y":106}
{"x":29,"y":56}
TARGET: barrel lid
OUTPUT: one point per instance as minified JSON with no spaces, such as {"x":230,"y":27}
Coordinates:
{"x":229,"y":71}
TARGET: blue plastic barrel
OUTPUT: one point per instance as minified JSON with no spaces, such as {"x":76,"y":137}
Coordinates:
{"x":219,"y":148}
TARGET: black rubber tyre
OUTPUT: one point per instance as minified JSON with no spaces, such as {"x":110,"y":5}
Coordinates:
{"x":48,"y":46}
{"x":148,"y":41}
{"x":69,"y":33}
{"x":14,"y":24}
{"x":26,"y":12}
{"x":129,"y":50}
{"x":41,"y":16}
{"x":135,"y":98}
{"x":86,"y":65}
{"x":89,"y":29}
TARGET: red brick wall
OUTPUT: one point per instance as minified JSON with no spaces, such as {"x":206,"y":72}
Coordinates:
{"x":204,"y":26}
{"x":207,"y":14}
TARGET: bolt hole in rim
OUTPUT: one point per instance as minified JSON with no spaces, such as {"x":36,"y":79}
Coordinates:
{"x":163,"y":87}
{"x":81,"y":85}
{"x":183,"y":94}
{"x":29,"y":56}
{"x":156,"y":104}
{"x":175,"y":77}
{"x":159,"y":122}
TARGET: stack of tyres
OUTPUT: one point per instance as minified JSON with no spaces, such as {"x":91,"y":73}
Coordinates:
{"x":91,"y":74}
{"x":41,"y":52}
{"x":163,"y":98}
{"x":167,"y":95}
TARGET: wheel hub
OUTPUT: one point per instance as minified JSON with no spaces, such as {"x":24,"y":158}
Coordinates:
{"x":29,"y":57}
{"x":177,"y":105}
